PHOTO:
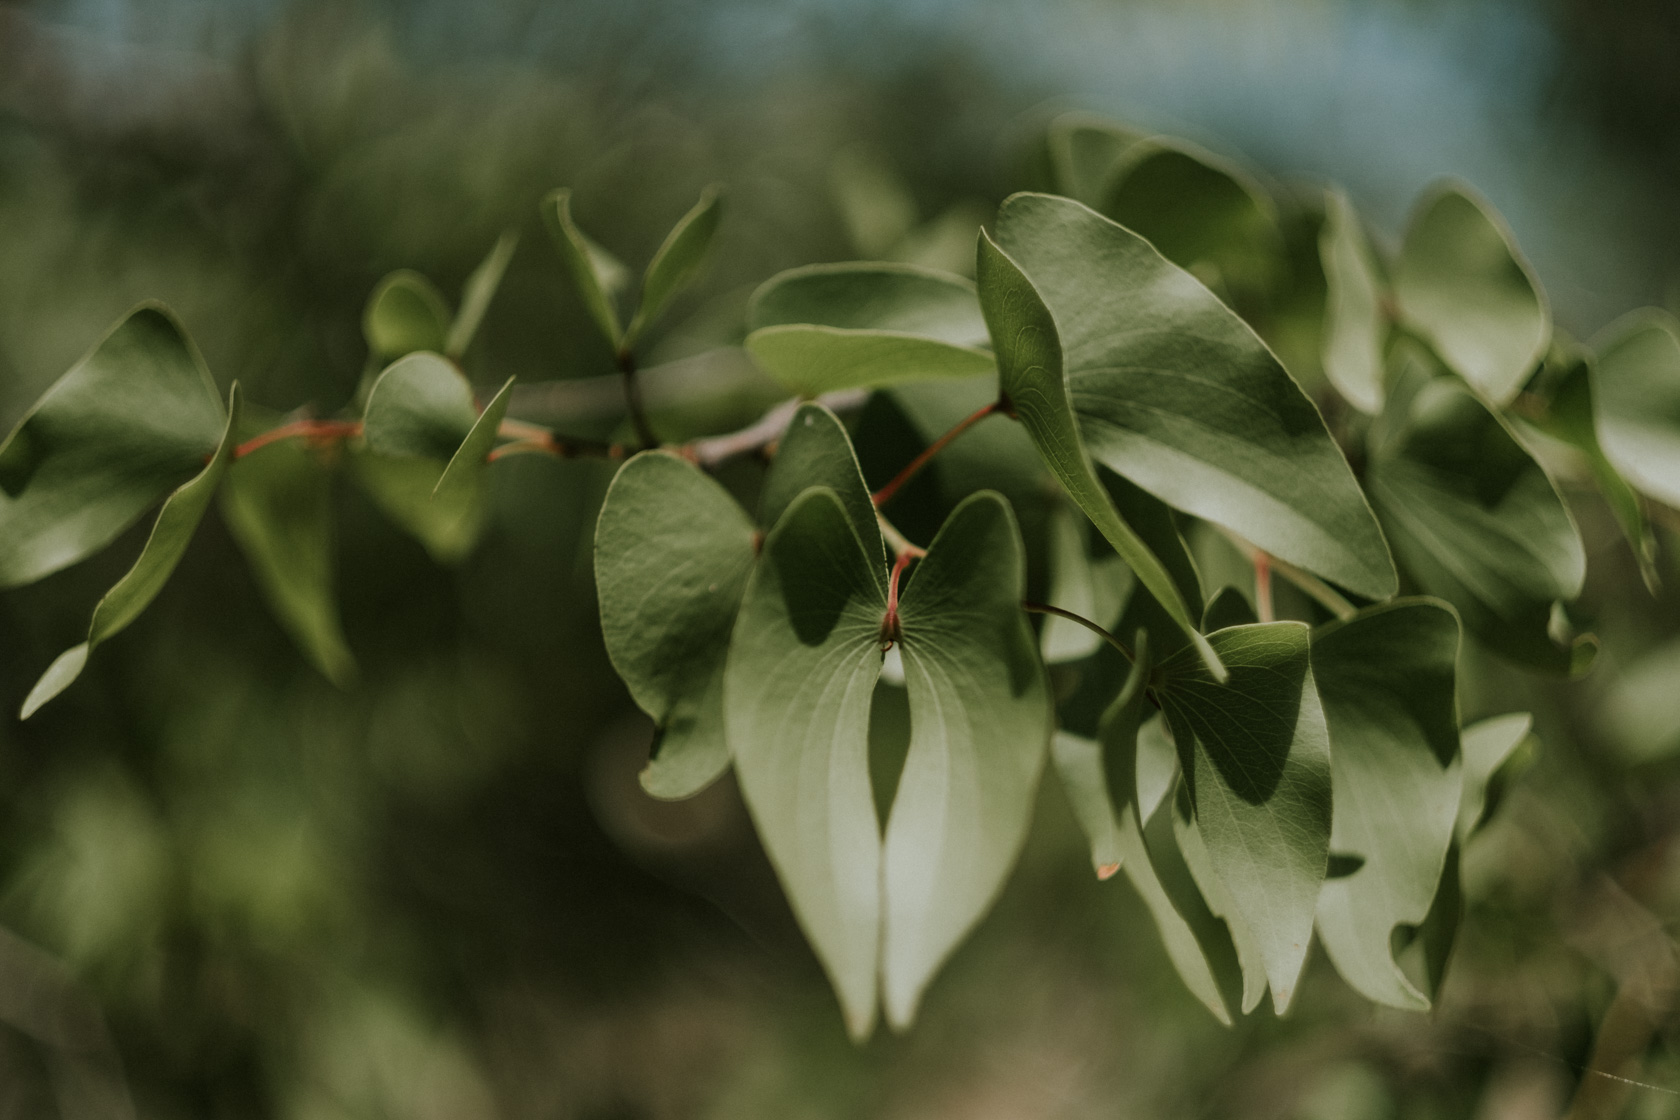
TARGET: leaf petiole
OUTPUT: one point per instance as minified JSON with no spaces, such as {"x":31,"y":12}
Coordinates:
{"x":885,"y":493}
{"x":1045,"y":608}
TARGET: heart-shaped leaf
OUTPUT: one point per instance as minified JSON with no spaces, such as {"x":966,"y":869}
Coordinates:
{"x":1386,"y":678}
{"x":405,"y":314}
{"x":677,"y":261}
{"x":127,"y":424}
{"x":980,"y":721}
{"x":1355,"y":328}
{"x":278,"y":503}
{"x":1636,"y":383}
{"x":1029,"y":357}
{"x":1463,"y":285}
{"x":177,"y":519}
{"x":672,"y":554}
{"x":599,"y":278}
{"x":1176,"y":393}
{"x":476,"y":295}
{"x":1473,"y":517}
{"x":1257,"y":756}
{"x":826,"y":327}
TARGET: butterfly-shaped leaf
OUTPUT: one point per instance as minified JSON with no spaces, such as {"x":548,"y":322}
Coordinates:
{"x":130,"y":422}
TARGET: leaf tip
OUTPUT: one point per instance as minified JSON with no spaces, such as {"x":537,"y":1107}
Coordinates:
{"x":59,"y":676}
{"x":1107,"y":871}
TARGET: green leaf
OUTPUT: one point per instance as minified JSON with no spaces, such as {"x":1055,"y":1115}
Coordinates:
{"x":1463,"y":285}
{"x":1355,"y":328}
{"x":476,"y":295}
{"x":1199,"y":211}
{"x":132,"y":420}
{"x":1229,"y":607}
{"x":1173,"y":391}
{"x":1257,"y":756}
{"x":448,"y":525}
{"x":678,"y":259}
{"x":405,"y":314}
{"x":1097,"y":776}
{"x":1386,"y":678}
{"x":1093,"y":587}
{"x":803,"y":662}
{"x":980,"y":721}
{"x":1488,"y":746}
{"x":1572,"y":417}
{"x":463,"y":476}
{"x":420,"y":407}
{"x":672,"y":554}
{"x":836,"y":326}
{"x":1029,"y":357}
{"x":815,"y":451}
{"x":278,"y":503}
{"x":1636,"y":383}
{"x":1473,"y":517}
{"x":1640,"y":708}
{"x":177,"y":519}
{"x":597,"y":275}
{"x":1251,"y":975}
{"x":1083,"y":151}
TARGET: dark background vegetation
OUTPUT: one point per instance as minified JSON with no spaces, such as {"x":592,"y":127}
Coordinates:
{"x":229,"y":890}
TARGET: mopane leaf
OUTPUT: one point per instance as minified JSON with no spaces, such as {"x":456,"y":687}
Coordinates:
{"x":1257,"y":756}
{"x":177,"y":519}
{"x":826,"y":327}
{"x":1636,"y":383}
{"x":803,"y":661}
{"x":278,"y":503}
{"x":980,"y":721}
{"x":1030,"y":375}
{"x":1173,"y":391}
{"x":127,"y":424}
{"x":1354,"y":324}
{"x":672,"y":553}
{"x":405,"y":314}
{"x":1461,"y":282}
{"x":1386,"y":678}
{"x":677,"y":261}
{"x":815,"y":451}
{"x":1201,"y":212}
{"x":476,"y":295}
{"x":1083,"y":151}
{"x":1093,"y":587}
{"x":1473,"y":517}
{"x":597,"y":275}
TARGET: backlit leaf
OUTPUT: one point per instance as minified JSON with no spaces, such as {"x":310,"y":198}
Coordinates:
{"x":677,"y":260}
{"x":1354,"y":324}
{"x":596,"y":274}
{"x":405,"y":314}
{"x":815,"y":451}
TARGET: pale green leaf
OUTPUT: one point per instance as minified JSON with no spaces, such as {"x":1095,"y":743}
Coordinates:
{"x":1473,"y":517}
{"x":980,"y":721}
{"x":1488,"y":745}
{"x":1640,"y":710}
{"x":811,"y":360}
{"x":1257,"y":756}
{"x":133,"y":419}
{"x":405,"y":314}
{"x":461,"y":479}
{"x":1029,"y":357}
{"x":672,"y":554}
{"x":597,"y":275}
{"x":1176,"y":393}
{"x":1078,"y":762}
{"x":803,"y":662}
{"x":278,"y":503}
{"x":815,"y":451}
{"x":1636,"y":383}
{"x":1221,"y":903}
{"x":1463,"y":285}
{"x":1386,"y":677}
{"x":677,"y":261}
{"x":1355,"y":326}
{"x":177,"y":519}
{"x":476,"y":295}
{"x":1093,"y":587}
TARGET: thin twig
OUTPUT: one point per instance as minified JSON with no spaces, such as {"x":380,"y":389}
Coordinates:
{"x":315,"y":431}
{"x":885,"y":493}
{"x":633,"y":400}
{"x":1263,"y":586}
{"x":712,"y":450}
{"x":897,"y":541}
{"x":1046,"y":608}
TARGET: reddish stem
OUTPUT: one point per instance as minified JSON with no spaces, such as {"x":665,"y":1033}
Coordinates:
{"x":1263,"y":585}
{"x":315,"y":431}
{"x":885,"y":493}
{"x":890,"y":629}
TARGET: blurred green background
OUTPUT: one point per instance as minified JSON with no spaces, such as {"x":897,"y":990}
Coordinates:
{"x":228,"y":889}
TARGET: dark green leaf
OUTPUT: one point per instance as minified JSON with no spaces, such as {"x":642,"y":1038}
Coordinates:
{"x":677,"y":261}
{"x":1257,"y":756}
{"x":1464,"y":286}
{"x":1030,"y":374}
{"x":803,"y":662}
{"x":672,"y":553}
{"x":405,"y":314}
{"x":448,"y":525}
{"x":815,"y":451}
{"x":597,"y":275}
{"x":1355,"y":326}
{"x":176,"y":521}
{"x":1386,"y":677}
{"x":1636,"y":384}
{"x":980,"y":721}
{"x":1173,"y":391}
{"x":1473,"y":517}
{"x":420,"y":407}
{"x":278,"y":503}
{"x":476,"y":295}
{"x":127,"y":424}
